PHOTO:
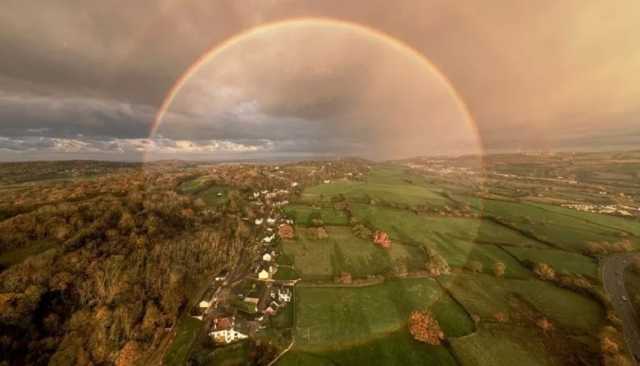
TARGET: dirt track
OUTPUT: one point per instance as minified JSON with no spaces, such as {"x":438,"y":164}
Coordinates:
{"x":612,"y":277}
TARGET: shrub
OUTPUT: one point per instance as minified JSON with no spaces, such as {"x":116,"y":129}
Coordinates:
{"x":544,"y":271}
{"x":424,"y":328}
{"x":499,"y":269}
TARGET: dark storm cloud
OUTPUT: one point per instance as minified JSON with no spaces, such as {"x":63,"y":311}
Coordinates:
{"x":535,"y":75}
{"x":57,"y":115}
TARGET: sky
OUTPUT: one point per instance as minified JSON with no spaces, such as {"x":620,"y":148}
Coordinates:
{"x":85,"y":79}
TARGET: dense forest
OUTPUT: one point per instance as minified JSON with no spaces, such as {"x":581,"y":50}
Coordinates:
{"x":113,"y":264}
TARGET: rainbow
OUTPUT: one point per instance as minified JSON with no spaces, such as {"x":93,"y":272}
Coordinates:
{"x":292,"y":24}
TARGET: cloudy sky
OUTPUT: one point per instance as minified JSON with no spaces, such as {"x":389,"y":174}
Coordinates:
{"x":85,"y":79}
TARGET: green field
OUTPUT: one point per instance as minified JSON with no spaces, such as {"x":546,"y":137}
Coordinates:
{"x":412,"y":228}
{"x":502,"y":346}
{"x":302,"y":215}
{"x":194,"y":185}
{"x":389,"y":185}
{"x":211,"y":197}
{"x":368,"y":323}
{"x":559,"y":229}
{"x":397,"y":348}
{"x":563,"y":262}
{"x":370,"y":312}
{"x":186,"y":333}
{"x":609,"y":222}
{"x":343,"y":252}
{"x":524,"y":300}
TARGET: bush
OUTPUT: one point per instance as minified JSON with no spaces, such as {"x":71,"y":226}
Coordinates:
{"x":424,"y":328}
{"x":499,"y":269}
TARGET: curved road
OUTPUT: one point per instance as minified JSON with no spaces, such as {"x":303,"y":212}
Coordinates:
{"x":612,"y":277}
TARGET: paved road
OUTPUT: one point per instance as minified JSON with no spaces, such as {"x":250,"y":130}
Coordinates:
{"x":612,"y":276}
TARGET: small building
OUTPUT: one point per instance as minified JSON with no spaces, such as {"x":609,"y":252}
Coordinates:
{"x":259,"y":221}
{"x":227,"y":336}
{"x":268,"y":239}
{"x":271,"y":221}
{"x":204,"y":304}
{"x":264,"y":275}
{"x":284,"y":295}
{"x":224,"y":323}
{"x":266,"y":257}
{"x":294,"y":184}
{"x":382,"y":239}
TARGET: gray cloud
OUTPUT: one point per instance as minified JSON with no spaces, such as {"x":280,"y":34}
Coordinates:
{"x":535,"y":75}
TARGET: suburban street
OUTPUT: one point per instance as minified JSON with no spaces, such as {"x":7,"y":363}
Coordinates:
{"x":612,"y":276}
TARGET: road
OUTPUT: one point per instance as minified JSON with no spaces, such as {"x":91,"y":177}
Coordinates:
{"x":612,"y":277}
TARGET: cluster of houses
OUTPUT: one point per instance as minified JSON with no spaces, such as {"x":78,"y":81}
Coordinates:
{"x":242,"y":311}
{"x":604,"y":209}
{"x":239,"y":310}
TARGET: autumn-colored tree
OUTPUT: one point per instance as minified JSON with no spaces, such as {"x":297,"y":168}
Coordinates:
{"x":285,"y":231}
{"x":635,"y":264}
{"x":544,"y":271}
{"x":501,"y":317}
{"x":499,"y":269}
{"x":594,"y":248}
{"x":544,"y":324}
{"x":424,"y":328}
{"x":610,"y":340}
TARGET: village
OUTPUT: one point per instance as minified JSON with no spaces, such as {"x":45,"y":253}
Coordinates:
{"x":237,"y":310}
{"x":238,"y":307}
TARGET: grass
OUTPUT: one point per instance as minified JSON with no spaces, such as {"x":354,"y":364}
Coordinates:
{"x":629,"y":225}
{"x":343,"y":252}
{"x":210,"y":195}
{"x":285,"y":273}
{"x":412,"y":228}
{"x":501,"y":346}
{"x":385,"y":185}
{"x":397,"y":348}
{"x":303,"y":215}
{"x":522,"y":300}
{"x":194,"y":185}
{"x":18,"y":255}
{"x":563,"y":262}
{"x":563,"y":231}
{"x":232,"y":355}
{"x":366,"y":313}
{"x":186,"y":333}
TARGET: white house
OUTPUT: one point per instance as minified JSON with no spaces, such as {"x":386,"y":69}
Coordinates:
{"x":258,"y":221}
{"x":271,"y":221}
{"x":268,"y":239}
{"x":284,"y":295}
{"x":199,"y":317}
{"x":294,"y":184}
{"x":327,"y":181}
{"x":256,"y":194}
{"x":266,"y":257}
{"x":264,"y":275}
{"x":204,"y":304}
{"x":227,"y":336}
